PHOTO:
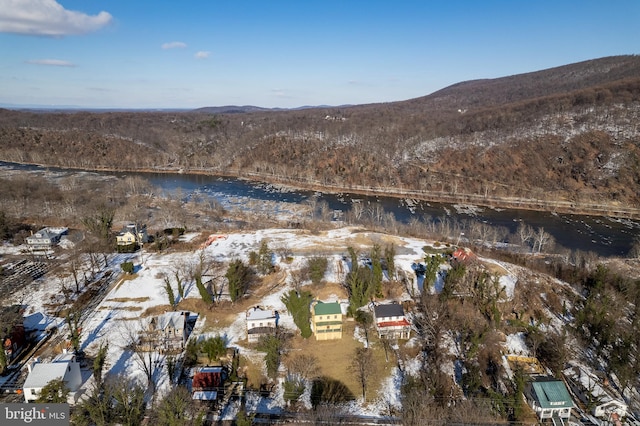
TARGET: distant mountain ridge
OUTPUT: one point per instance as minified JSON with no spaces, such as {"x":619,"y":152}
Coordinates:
{"x":565,"y":138}
{"x":235,"y":109}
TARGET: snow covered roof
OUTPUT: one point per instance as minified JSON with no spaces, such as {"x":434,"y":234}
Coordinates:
{"x":170,"y":319}
{"x":259,"y":314}
{"x":204,"y":395}
{"x":44,"y":372}
{"x":41,"y":374}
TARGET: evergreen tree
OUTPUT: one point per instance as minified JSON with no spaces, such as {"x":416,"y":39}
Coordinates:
{"x":432,"y":264}
{"x":376,"y":269}
{"x":3,"y":360}
{"x":272,"y":346}
{"x":98,"y":363}
{"x":127,"y":267}
{"x":361,"y":288}
{"x":214,"y":347}
{"x":390,"y":256}
{"x":238,"y":275}
{"x":297,"y":304}
{"x":169,"y":290}
{"x":265,"y":256}
{"x":317,"y":267}
{"x":54,"y":392}
{"x":204,"y":293}
{"x":175,"y":409}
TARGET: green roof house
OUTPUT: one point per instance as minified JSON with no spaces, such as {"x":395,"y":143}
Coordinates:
{"x":550,"y":399}
{"x":326,"y":319}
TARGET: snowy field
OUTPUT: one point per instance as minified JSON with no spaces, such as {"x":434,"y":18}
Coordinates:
{"x":122,"y":308}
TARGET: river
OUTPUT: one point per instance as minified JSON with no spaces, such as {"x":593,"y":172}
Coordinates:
{"x":603,"y":235}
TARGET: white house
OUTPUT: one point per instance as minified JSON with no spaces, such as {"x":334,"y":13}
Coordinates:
{"x":64,"y":367}
{"x":46,"y":238}
{"x":260,"y":323}
{"x":391,"y":321}
{"x":591,"y":391}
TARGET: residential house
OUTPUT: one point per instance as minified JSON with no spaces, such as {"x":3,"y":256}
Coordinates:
{"x":46,"y":238}
{"x":326,"y":319}
{"x":63,"y":366}
{"x":550,"y":400}
{"x":132,"y":234}
{"x":208,"y":382}
{"x":391,"y":322}
{"x":593,"y":392}
{"x":261,"y":323}
{"x":167,"y":332}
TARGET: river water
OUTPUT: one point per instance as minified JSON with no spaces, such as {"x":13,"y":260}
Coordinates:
{"x":602,"y":235}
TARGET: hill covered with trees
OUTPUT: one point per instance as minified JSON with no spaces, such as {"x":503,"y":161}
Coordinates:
{"x":565,"y":138}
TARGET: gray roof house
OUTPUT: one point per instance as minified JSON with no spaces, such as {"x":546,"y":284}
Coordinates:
{"x":63,"y":366}
{"x":45,"y":238}
{"x":131,"y":234}
{"x":167,"y":332}
{"x":391,"y":322}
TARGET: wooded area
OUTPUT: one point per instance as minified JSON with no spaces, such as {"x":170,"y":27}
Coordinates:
{"x":564,"y":138}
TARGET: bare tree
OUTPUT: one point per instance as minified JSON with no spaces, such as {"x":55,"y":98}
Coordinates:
{"x":362,"y":366}
{"x":541,"y":239}
{"x":525,"y":234}
{"x":144,"y":348}
{"x":304,"y":366}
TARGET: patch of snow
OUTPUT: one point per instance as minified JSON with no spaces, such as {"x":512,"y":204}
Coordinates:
{"x":516,"y":344}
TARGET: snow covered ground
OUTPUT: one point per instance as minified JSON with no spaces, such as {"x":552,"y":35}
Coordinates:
{"x":120,"y":311}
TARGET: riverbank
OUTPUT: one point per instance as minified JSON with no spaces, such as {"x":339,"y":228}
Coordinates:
{"x":555,"y":206}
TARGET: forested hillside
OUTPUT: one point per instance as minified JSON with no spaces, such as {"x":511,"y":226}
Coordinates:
{"x":566,"y":138}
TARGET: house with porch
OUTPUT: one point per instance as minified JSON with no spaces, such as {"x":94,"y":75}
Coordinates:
{"x":261,"y":322}
{"x":326,"y":320}
{"x":550,"y":400}
{"x":391,"y":322}
{"x":45,"y":239}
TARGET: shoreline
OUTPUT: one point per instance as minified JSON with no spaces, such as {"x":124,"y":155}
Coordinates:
{"x":566,"y":207}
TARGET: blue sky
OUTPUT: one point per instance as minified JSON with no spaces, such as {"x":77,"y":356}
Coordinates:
{"x":173,"y":54}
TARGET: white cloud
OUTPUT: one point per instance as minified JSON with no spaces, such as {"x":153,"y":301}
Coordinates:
{"x":47,"y":18}
{"x":174,"y":45}
{"x":52,"y":62}
{"x":203,"y":54}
